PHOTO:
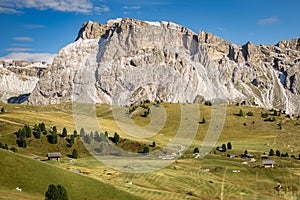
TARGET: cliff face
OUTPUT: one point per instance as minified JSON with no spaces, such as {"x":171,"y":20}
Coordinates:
{"x":18,"y":79}
{"x":127,"y":60}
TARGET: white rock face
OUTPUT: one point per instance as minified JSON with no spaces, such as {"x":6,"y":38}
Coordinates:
{"x":18,"y":79}
{"x":128,"y":60}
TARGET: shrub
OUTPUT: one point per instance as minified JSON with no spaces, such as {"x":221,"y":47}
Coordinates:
{"x":207,"y":103}
{"x":249,"y":113}
{"x":196,"y":150}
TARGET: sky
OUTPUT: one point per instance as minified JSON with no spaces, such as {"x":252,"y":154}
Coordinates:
{"x":45,"y":26}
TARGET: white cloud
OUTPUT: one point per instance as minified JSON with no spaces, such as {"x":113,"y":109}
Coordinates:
{"x":105,"y":8}
{"x":10,"y":10}
{"x":26,"y":39}
{"x":100,"y":9}
{"x":266,"y":21}
{"x":131,"y":7}
{"x":18,"y":49}
{"x":35,"y":57}
{"x":79,"y":6}
{"x":34,"y":26}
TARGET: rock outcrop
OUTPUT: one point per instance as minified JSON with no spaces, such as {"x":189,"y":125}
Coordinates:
{"x":18,"y":79}
{"x":127,"y":60}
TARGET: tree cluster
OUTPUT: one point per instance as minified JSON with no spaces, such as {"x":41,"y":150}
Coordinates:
{"x":278,"y":153}
{"x":56,"y":192}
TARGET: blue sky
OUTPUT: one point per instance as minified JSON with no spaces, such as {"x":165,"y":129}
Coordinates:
{"x":45,"y":26}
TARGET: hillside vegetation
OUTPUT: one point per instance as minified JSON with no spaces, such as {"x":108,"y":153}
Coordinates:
{"x":216,"y":176}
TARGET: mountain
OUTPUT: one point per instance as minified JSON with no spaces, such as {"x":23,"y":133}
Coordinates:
{"x":18,"y":79}
{"x":127,"y":60}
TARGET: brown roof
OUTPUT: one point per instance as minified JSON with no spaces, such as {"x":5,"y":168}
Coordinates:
{"x":54,"y":155}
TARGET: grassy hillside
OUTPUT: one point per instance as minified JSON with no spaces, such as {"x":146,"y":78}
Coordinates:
{"x":35,"y":176}
{"x":212,"y":177}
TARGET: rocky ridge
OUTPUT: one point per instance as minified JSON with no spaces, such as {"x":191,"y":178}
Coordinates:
{"x":127,"y":60}
{"x":18,"y":79}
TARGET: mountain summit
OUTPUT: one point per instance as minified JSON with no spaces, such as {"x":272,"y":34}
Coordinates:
{"x":128,"y":60}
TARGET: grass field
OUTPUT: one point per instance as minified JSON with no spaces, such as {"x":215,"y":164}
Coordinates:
{"x":212,"y":177}
{"x":35,"y":176}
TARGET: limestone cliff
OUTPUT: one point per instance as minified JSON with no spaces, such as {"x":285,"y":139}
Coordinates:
{"x":127,"y":60}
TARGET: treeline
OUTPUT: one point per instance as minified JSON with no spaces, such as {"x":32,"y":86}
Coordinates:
{"x":40,"y":129}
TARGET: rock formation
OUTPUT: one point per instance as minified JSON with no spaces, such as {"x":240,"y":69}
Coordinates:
{"x":18,"y":79}
{"x":127,"y":60}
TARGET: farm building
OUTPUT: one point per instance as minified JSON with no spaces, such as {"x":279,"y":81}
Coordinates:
{"x":54,"y":156}
{"x":268,"y":163}
{"x":248,"y":155}
{"x":264,"y":157}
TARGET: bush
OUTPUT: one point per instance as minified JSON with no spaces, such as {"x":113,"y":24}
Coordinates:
{"x":196,"y":150}
{"x":270,"y":119}
{"x":13,"y":149}
{"x":22,"y":143}
{"x":207,"y":103}
{"x":264,"y":115}
{"x":241,"y":113}
{"x":249,"y":113}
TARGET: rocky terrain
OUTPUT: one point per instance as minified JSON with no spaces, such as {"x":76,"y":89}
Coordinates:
{"x":18,"y":79}
{"x":127,"y":60}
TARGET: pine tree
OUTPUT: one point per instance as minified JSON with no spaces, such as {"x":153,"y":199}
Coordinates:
{"x":146,"y":149}
{"x":82,"y":132}
{"x":75,"y":133}
{"x":72,"y":140}
{"x":64,"y":132}
{"x":116,"y":138}
{"x":27,"y":131}
{"x":75,"y":154}
{"x":37,"y":134}
{"x":229,"y":146}
{"x":224,"y":148}
{"x":51,"y":193}
{"x":62,"y":193}
{"x":278,"y":153}
{"x":271,"y":153}
{"x":53,"y":139}
{"x":153,"y":144}
{"x":97,"y":137}
{"x":42,"y":127}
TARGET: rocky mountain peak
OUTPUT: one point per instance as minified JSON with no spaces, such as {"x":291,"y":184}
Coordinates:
{"x":128,"y":60}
